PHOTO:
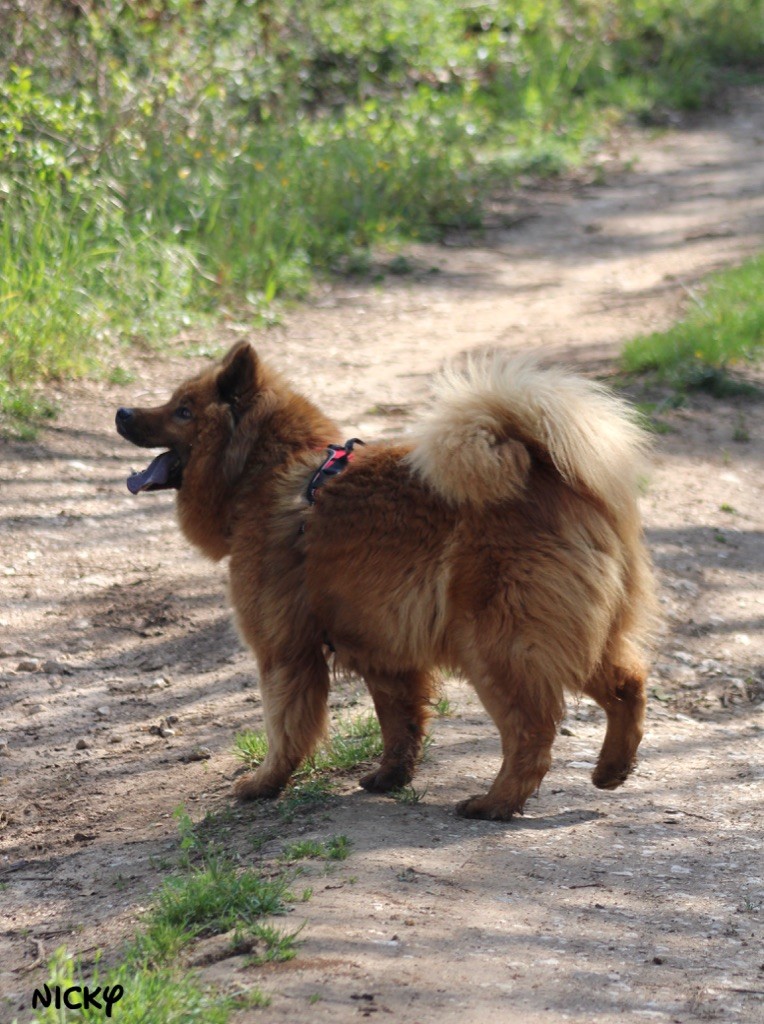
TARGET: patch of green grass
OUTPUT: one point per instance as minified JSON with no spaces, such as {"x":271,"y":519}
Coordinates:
{"x":149,"y":996}
{"x":211,"y":899}
{"x":304,"y":796}
{"x":408,"y":796}
{"x":251,"y":747}
{"x":119,"y":375}
{"x":249,"y":999}
{"x":190,"y":842}
{"x":649,"y":420}
{"x":303,"y":849}
{"x":74,"y":279}
{"x":723,"y":329}
{"x":354,"y":741}
{"x":741,"y":434}
{"x":277,"y":946}
{"x":336,"y":848}
{"x":22,"y":411}
{"x":444,"y":708}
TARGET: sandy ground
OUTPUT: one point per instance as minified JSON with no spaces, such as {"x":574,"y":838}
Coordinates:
{"x":640,"y":905}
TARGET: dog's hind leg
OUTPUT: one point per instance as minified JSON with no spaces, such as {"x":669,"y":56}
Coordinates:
{"x":527,"y":721}
{"x":294,"y":707}
{"x":401,"y":703}
{"x":619,"y":688}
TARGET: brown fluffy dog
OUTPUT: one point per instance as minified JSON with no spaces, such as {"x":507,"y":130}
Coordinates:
{"x":502,"y":541}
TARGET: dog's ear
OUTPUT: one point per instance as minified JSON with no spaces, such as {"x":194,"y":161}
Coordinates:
{"x":237,"y":380}
{"x":237,"y":385}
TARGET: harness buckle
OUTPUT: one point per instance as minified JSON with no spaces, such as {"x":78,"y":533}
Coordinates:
{"x":338,"y":457}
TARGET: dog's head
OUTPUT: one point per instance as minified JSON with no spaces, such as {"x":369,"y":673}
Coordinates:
{"x":202,"y":413}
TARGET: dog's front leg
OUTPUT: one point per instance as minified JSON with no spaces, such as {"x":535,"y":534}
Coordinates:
{"x":294,"y":694}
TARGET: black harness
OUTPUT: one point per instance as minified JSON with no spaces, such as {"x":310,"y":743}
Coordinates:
{"x":337,"y":459}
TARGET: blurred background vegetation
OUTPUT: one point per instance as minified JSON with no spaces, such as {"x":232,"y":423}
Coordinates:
{"x":163,"y":160}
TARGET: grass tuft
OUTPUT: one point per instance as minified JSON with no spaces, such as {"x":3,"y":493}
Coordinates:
{"x":355,"y":741}
{"x":210,"y":899}
{"x":276,"y":946}
{"x":251,"y":747}
{"x":408,"y":795}
{"x":336,"y":848}
{"x":721,"y":332}
{"x":149,"y":996}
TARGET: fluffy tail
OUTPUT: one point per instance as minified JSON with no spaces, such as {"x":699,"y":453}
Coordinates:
{"x":489,"y":422}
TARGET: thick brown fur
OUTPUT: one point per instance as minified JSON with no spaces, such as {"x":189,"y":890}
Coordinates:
{"x":502,"y":541}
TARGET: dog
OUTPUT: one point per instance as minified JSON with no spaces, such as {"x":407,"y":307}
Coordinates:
{"x":500,"y":540}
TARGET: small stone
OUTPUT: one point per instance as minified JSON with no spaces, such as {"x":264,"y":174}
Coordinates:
{"x":83,"y":744}
{"x":103,"y":712}
{"x":28,"y":665}
{"x":684,"y":656}
{"x":4,"y":749}
{"x":687,"y":678}
{"x":172,"y":719}
{"x":565,"y":730}
{"x":115,"y":739}
{"x":165,"y":731}
{"x":711,"y":667}
{"x":197,"y":754}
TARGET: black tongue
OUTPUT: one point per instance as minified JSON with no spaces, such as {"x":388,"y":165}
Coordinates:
{"x":156,"y":476}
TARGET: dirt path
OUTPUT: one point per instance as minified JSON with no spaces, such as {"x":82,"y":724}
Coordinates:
{"x":640,"y":905}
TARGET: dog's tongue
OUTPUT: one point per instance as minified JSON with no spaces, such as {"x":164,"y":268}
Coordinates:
{"x":155,"y":476}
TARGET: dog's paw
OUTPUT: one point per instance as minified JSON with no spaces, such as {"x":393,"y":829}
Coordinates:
{"x":250,"y":787}
{"x":384,"y":779}
{"x":611,"y":776}
{"x":488,"y":810}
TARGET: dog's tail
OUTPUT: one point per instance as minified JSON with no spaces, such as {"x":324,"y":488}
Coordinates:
{"x":490,"y":421}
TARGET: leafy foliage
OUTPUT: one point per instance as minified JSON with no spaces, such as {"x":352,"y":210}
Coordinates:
{"x":163,"y":158}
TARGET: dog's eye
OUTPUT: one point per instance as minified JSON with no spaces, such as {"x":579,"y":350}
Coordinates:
{"x":183,"y":413}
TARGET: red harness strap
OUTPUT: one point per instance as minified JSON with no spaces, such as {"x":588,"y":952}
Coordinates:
{"x":337,"y":459}
{"x":339,"y":455}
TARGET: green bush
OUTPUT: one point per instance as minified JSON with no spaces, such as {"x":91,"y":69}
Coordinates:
{"x":161,"y":157}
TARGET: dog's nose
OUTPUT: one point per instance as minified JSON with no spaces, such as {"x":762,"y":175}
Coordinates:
{"x":123,"y":419}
